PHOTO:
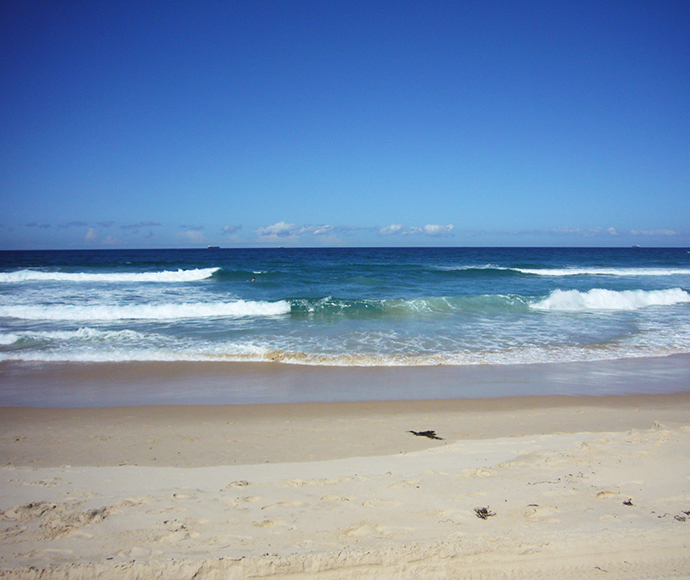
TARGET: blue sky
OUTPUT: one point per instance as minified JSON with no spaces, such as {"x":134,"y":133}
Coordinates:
{"x":375,"y":123}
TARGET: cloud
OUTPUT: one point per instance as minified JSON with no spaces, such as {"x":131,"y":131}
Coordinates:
{"x":280,"y":230}
{"x":392,"y":230}
{"x":192,"y":228}
{"x":90,"y":235}
{"x":326,"y":229}
{"x":661,"y":232}
{"x":438,"y":230}
{"x":283,"y":230}
{"x":105,"y":224}
{"x":36,"y":225}
{"x":230,"y":229}
{"x":600,"y":232}
{"x":323,"y":230}
{"x":427,"y":230}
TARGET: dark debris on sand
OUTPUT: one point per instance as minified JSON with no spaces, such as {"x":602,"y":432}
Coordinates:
{"x":484,"y":513}
{"x":429,"y":434}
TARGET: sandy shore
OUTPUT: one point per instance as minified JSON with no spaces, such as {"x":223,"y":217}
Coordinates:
{"x":573,"y":487}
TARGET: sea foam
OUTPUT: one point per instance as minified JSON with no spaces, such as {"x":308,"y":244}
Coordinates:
{"x":557,"y":272}
{"x":164,"y":276}
{"x":601,"y":299}
{"x":239,"y":308}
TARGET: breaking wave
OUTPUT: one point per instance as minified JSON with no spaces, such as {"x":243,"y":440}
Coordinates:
{"x":164,"y":276}
{"x":601,"y":299}
{"x":557,"y":272}
{"x":239,"y":308}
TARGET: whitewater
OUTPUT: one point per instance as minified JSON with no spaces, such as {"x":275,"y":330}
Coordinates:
{"x":369,"y":307}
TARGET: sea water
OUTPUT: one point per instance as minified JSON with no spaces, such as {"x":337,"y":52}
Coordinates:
{"x":386,"y":307}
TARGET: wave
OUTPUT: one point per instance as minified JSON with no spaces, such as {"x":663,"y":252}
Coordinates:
{"x":493,"y":269}
{"x":241,"y":354}
{"x":601,"y":299}
{"x":83,"y":334}
{"x":403,"y":307}
{"x":558,"y":272}
{"x":171,"y":311}
{"x":392,"y":308}
{"x":164,"y":276}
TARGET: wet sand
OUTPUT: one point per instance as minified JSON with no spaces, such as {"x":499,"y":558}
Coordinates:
{"x":227,"y":383}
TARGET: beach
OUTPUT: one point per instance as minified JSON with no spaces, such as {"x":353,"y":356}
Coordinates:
{"x":512,"y":487}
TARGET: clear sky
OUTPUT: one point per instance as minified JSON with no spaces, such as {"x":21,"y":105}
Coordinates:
{"x":356,"y":123}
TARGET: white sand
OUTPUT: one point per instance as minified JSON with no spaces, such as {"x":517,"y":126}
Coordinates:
{"x":580,"y":488}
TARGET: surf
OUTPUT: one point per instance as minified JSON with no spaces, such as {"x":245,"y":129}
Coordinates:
{"x":151,"y":312}
{"x":603,"y":299}
{"x":179,"y":275}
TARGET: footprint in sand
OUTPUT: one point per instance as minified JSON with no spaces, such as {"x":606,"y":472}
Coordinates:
{"x":607,"y":494}
{"x":282,"y":503}
{"x":379,"y":503}
{"x":177,"y":536}
{"x":406,"y":483}
{"x":270,"y":524}
{"x":542,"y":514}
{"x":165,"y":510}
{"x":52,"y":482}
{"x":240,"y":483}
{"x":476,"y":472}
{"x":242,"y":500}
{"x":364,"y":530}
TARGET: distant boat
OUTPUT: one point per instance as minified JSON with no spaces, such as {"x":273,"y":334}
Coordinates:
{"x":636,"y":246}
{"x":214,"y":247}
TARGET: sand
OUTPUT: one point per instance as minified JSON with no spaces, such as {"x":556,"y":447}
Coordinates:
{"x":570,"y":487}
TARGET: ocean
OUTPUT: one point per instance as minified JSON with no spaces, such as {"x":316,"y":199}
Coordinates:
{"x":337,"y":307}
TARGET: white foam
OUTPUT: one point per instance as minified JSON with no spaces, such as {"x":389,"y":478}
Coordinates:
{"x":171,"y":311}
{"x":601,"y":299}
{"x":83,"y":334}
{"x":164,"y":276}
{"x":557,"y":272}
{"x":7,"y":339}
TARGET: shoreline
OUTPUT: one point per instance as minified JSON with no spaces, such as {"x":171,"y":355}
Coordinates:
{"x":114,"y":384}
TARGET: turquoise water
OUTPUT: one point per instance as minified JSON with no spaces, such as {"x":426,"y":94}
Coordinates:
{"x":345,"y":307}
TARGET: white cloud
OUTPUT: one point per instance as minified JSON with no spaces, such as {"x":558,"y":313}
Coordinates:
{"x":90,"y":235}
{"x":438,"y":230}
{"x":428,"y":230}
{"x":280,"y":230}
{"x":392,"y":230}
{"x":323,"y":230}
